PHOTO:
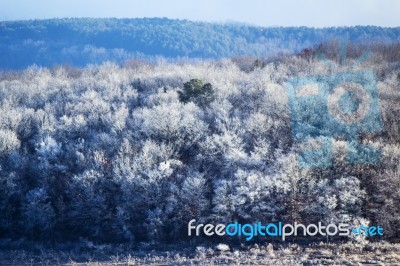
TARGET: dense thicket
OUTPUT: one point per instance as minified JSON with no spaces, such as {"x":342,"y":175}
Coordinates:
{"x":86,"y":41}
{"x":116,"y":153}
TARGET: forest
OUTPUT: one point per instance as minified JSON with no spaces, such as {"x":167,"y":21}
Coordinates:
{"x":115,"y":153}
{"x":83,"y":41}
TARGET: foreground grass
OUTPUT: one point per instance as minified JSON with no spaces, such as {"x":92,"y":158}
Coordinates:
{"x":382,"y":253}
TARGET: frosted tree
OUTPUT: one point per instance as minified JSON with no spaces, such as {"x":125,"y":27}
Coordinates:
{"x":8,"y":141}
{"x":38,"y":213}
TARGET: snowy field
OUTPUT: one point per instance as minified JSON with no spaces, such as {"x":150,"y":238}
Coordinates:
{"x":292,"y":254}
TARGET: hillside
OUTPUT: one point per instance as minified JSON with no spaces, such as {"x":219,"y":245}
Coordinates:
{"x":119,"y":154}
{"x":79,"y":42}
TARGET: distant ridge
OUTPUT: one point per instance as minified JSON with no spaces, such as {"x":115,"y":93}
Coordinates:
{"x":82,"y":41}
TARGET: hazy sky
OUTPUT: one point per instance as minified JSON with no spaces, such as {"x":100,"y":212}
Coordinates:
{"x":317,"y":13}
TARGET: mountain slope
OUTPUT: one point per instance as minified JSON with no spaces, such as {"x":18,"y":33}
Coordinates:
{"x":84,"y":41}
